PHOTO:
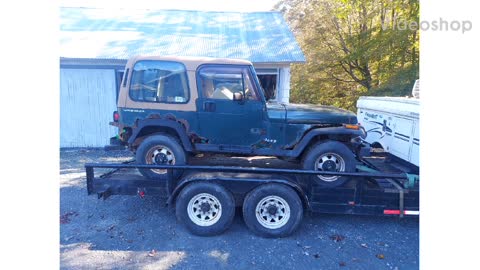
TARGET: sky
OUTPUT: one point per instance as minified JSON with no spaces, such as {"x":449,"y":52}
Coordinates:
{"x":205,"y":5}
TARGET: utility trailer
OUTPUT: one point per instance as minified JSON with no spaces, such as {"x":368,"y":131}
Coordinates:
{"x":272,"y":200}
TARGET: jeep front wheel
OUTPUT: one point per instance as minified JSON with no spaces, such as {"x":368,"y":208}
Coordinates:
{"x":160,"y":150}
{"x":329,"y":156}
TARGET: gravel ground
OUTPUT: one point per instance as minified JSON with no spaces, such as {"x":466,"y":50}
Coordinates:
{"x":126,"y":232}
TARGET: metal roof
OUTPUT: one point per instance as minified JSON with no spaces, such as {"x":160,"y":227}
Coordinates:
{"x":260,"y":37}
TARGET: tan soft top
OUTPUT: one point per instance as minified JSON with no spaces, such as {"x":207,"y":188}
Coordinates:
{"x":190,"y":62}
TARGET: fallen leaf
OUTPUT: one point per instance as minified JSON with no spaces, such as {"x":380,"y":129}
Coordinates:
{"x":337,"y":237}
{"x":381,"y":256}
{"x":131,"y":219}
{"x":152,"y":253}
{"x":110,"y":228}
{"x":68,"y":238}
{"x":65,"y":218}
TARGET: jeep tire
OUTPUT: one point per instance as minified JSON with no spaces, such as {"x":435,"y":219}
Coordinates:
{"x":160,"y":149}
{"x":329,"y":156}
{"x":205,"y":208}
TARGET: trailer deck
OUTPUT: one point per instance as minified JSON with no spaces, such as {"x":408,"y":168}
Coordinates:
{"x":375,"y":189}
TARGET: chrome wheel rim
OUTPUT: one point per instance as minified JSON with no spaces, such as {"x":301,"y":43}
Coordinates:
{"x":329,"y":162}
{"x":160,"y":155}
{"x":204,"y":209}
{"x":272,"y":212}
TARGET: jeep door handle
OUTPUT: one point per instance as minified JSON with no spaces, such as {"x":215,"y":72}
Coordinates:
{"x":209,"y":106}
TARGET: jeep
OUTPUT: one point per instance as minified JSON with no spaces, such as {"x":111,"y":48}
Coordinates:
{"x":172,"y":107}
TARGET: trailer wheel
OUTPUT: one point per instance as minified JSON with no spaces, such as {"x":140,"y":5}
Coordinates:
{"x":205,"y":208}
{"x":272,"y":210}
{"x":329,"y":156}
{"x":161,"y":150}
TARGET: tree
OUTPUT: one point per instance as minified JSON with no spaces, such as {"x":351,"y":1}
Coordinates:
{"x":352,"y":48}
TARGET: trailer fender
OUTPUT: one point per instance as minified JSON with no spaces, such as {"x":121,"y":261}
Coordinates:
{"x":254,"y":182}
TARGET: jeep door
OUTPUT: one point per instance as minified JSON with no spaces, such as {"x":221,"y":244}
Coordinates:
{"x":231,"y":111}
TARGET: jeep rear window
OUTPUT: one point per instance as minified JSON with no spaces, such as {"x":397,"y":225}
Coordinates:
{"x":159,"y":81}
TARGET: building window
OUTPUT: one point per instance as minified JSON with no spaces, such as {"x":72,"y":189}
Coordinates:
{"x":118,"y":80}
{"x":268,"y":79}
{"x":159,"y":81}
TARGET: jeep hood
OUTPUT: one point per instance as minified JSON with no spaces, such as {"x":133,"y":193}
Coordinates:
{"x":310,"y":114}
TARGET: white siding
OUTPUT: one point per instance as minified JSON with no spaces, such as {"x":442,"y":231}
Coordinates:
{"x":284,"y":85}
{"x":87,"y":101}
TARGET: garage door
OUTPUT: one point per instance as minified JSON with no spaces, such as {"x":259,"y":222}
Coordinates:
{"x":87,"y":101}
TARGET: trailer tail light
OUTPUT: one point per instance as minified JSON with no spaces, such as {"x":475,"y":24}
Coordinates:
{"x":397,"y":212}
{"x":116,"y":116}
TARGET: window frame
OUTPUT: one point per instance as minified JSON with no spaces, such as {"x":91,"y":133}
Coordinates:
{"x":270,"y":71}
{"x":185,"y":71}
{"x":248,"y":68}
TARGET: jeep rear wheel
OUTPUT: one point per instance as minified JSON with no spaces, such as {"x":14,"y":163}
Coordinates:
{"x":329,"y":156}
{"x":160,"y":150}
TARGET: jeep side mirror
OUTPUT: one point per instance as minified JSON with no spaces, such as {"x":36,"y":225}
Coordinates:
{"x":237,"y":96}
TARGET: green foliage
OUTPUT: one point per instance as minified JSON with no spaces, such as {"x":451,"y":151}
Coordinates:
{"x":353,"y":48}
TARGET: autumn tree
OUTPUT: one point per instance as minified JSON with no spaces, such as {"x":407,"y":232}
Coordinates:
{"x":353,"y":48}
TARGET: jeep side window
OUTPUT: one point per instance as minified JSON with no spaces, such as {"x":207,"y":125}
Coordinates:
{"x":221,"y":82}
{"x":159,"y":81}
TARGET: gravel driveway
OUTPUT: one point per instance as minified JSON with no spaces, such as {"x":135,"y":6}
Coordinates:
{"x":126,"y":232}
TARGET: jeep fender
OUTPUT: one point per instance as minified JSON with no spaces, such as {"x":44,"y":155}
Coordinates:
{"x":305,"y":140}
{"x":163,"y":123}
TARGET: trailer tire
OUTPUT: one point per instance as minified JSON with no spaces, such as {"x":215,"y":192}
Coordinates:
{"x":272,"y":210}
{"x":329,"y":156}
{"x":205,"y":208}
{"x":160,"y":149}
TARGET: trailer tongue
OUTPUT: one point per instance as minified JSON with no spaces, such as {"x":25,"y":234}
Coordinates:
{"x":273,"y":200}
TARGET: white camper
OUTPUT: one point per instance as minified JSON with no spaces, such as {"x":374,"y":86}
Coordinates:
{"x":392,"y":123}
